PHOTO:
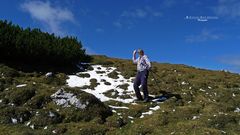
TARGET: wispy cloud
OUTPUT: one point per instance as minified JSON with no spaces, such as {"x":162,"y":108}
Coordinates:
{"x":129,"y":18}
{"x":232,"y":61}
{"x":169,"y":3}
{"x":100,"y":30}
{"x":117,"y":24}
{"x":52,"y":17}
{"x":205,"y":35}
{"x":228,"y":8}
{"x":141,"y":13}
{"x":90,"y":51}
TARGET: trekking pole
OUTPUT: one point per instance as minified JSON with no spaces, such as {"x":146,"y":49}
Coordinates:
{"x":156,"y":74}
{"x":155,"y":80}
{"x":161,"y":91}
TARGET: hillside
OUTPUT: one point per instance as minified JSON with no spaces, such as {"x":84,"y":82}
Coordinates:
{"x":99,"y":99}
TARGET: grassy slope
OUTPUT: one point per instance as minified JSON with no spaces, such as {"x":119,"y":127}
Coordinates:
{"x":205,"y":94}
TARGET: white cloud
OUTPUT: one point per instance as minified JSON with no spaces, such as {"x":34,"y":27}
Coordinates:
{"x":100,"y":30}
{"x":169,"y":3}
{"x":90,"y":51}
{"x":205,"y":35}
{"x":117,"y":24}
{"x":50,"y":16}
{"x":228,"y":8}
{"x":129,"y":18}
{"x":231,"y":60}
{"x":137,"y":13}
{"x":141,"y":13}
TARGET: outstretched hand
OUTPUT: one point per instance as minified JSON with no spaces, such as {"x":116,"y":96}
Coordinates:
{"x":134,"y":52}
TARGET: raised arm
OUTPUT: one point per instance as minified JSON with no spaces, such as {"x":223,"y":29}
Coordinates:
{"x":134,"y":57}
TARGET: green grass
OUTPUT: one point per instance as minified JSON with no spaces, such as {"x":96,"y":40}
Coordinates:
{"x":200,"y":102}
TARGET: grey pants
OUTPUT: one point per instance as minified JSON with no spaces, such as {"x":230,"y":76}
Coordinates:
{"x":141,"y":79}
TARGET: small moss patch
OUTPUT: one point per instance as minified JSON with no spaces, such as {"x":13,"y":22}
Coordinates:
{"x":113,"y":74}
{"x":84,"y":75}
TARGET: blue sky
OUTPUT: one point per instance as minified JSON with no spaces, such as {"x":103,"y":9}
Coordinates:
{"x":199,"y":33}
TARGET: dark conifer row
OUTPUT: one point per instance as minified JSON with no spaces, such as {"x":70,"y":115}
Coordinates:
{"x":34,"y":46}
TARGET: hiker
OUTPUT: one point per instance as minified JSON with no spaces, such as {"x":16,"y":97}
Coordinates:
{"x":143,"y":66}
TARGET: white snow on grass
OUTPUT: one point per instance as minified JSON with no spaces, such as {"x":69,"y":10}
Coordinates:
{"x":99,"y":90}
{"x":146,"y":113}
{"x":195,"y":117}
{"x":14,"y":121}
{"x":237,"y":110}
{"x":184,"y":83}
{"x":118,"y":107}
{"x":155,"y":108}
{"x":130,"y":117}
{"x":28,"y":123}
{"x":76,"y":81}
{"x":21,"y":85}
{"x":202,"y":90}
{"x":150,"y":112}
{"x":32,"y":126}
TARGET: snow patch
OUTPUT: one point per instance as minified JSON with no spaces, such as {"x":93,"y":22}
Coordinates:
{"x":237,"y":110}
{"x":51,"y":114}
{"x":118,"y":107}
{"x":99,"y":90}
{"x":49,"y":74}
{"x":146,"y":113}
{"x":202,"y":90}
{"x":195,"y":117}
{"x":155,"y":108}
{"x":130,"y":117}
{"x":184,"y":83}
{"x":21,"y":85}
{"x":32,"y":126}
{"x":27,"y":124}
{"x":14,"y":121}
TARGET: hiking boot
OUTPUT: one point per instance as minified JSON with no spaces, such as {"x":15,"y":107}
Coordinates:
{"x":138,"y":100}
{"x":146,"y":100}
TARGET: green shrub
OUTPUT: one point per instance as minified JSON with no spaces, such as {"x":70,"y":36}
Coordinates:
{"x":93,"y":83}
{"x":19,"y":96}
{"x":38,"y":102}
{"x":111,"y":93}
{"x":115,"y":121}
{"x":18,"y":113}
{"x":102,"y":60}
{"x":84,"y":75}
{"x":89,"y":129}
{"x":8,"y":72}
{"x":113,"y":74}
{"x":46,"y":117}
{"x":100,"y":72}
{"x":123,"y":86}
{"x":107,"y":83}
{"x":220,"y":121}
{"x":58,"y":79}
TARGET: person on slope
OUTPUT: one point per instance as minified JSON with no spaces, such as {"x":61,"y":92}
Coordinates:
{"x":143,"y":67}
